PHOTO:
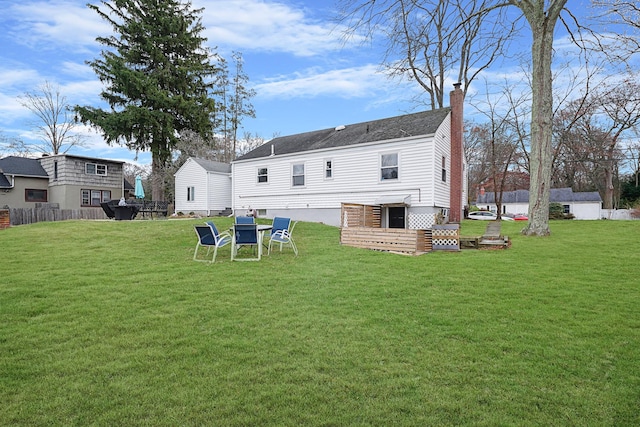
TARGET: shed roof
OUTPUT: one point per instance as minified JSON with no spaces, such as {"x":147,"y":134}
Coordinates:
{"x":416,"y":124}
{"x":212,"y":166}
{"x":557,"y":195}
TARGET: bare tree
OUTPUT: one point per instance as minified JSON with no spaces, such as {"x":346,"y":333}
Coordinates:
{"x":621,"y":19}
{"x":499,"y":138}
{"x":240,"y":105}
{"x":433,"y":42}
{"x":542,"y":17}
{"x":14,"y":146}
{"x":249,"y":142}
{"x":56,"y":123}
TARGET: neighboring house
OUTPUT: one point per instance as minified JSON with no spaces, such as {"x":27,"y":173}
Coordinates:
{"x":203,"y":187}
{"x":584,"y":205}
{"x":70,"y":182}
{"x":411,"y":164}
{"x":23,"y":183}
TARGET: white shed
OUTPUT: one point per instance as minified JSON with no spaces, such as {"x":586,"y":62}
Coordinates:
{"x":203,"y":187}
{"x":583,"y":205}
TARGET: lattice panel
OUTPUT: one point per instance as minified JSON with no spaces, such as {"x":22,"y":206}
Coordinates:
{"x":421,"y":221}
{"x":446,"y":237}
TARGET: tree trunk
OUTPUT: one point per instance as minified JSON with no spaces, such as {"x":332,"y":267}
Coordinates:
{"x":542,"y":26}
{"x":608,"y":184}
{"x":157,"y":188}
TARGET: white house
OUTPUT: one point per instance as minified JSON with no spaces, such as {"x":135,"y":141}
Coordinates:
{"x":203,"y":187}
{"x":407,"y":164}
{"x":583,"y":205}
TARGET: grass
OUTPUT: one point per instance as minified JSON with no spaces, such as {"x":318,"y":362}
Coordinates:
{"x":112,"y":323}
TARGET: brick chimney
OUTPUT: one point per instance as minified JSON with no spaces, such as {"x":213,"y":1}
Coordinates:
{"x":456,"y":100}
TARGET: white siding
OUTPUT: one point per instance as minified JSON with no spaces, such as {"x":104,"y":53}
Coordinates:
{"x":219,"y":191}
{"x":442,"y":147}
{"x":586,"y":210}
{"x":212,"y":189}
{"x":356,"y":176}
{"x":191,"y":174}
{"x":581,"y":210}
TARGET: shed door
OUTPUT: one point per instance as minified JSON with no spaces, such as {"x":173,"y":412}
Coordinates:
{"x":396,"y":215}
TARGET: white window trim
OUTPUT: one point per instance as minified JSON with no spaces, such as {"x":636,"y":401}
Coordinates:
{"x":304,"y":175}
{"x":258,"y":175}
{"x":386,"y":153}
{"x":324,"y":169}
{"x":97,"y":167}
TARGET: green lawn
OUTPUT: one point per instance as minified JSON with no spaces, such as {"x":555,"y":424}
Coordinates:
{"x":112,"y":323}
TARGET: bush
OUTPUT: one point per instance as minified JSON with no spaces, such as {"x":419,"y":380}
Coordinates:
{"x":556,"y":211}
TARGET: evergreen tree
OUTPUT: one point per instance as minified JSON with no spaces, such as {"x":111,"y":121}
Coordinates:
{"x":159,"y":78}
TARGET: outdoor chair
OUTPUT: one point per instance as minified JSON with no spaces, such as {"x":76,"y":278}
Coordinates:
{"x":209,"y":237}
{"x":281,"y":234}
{"x":246,"y":235}
{"x":245,"y":220}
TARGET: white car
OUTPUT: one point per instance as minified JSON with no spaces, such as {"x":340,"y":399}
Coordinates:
{"x":487,"y":216}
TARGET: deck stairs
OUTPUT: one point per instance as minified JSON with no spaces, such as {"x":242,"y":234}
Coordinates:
{"x":493,"y":238}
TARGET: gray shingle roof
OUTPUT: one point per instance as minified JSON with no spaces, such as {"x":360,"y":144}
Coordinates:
{"x":557,"y":195}
{"x":4,"y":182}
{"x":423,"y":123}
{"x":22,"y":166}
{"x":213,"y":166}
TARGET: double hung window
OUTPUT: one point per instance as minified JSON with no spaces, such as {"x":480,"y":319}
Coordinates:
{"x":263,"y":175}
{"x":297,"y":175}
{"x":388,"y":166}
{"x":328,"y":169}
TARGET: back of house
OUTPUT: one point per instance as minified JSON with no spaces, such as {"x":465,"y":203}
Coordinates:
{"x":402,"y":164}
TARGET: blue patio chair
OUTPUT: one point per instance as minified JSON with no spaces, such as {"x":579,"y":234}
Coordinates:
{"x":246,"y":235}
{"x":209,"y":237}
{"x":281,"y":234}
{"x":245,"y":220}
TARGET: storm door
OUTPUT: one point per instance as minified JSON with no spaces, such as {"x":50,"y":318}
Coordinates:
{"x":396,"y":216}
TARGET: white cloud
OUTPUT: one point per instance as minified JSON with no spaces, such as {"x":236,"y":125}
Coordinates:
{"x":267,"y":26}
{"x":50,"y":24}
{"x":354,"y":82}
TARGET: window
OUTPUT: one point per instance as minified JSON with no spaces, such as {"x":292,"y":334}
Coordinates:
{"x":566,"y":209}
{"x":95,"y":169}
{"x":328,"y":169}
{"x":55,"y":170}
{"x":263,"y":175}
{"x":298,"y":174}
{"x":389,"y":166}
{"x":94,"y":197}
{"x":35,"y":195}
{"x":191,"y":194}
{"x":444,"y":169}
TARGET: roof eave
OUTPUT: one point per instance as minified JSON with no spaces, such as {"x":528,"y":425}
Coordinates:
{"x":341,"y":147}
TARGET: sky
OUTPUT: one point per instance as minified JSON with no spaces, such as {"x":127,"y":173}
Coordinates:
{"x":306,"y":76}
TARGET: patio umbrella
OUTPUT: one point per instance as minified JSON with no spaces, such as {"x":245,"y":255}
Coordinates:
{"x":139,"y":191}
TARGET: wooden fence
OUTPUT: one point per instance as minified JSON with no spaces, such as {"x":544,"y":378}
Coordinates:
{"x":398,"y":240}
{"x":22,"y":216}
